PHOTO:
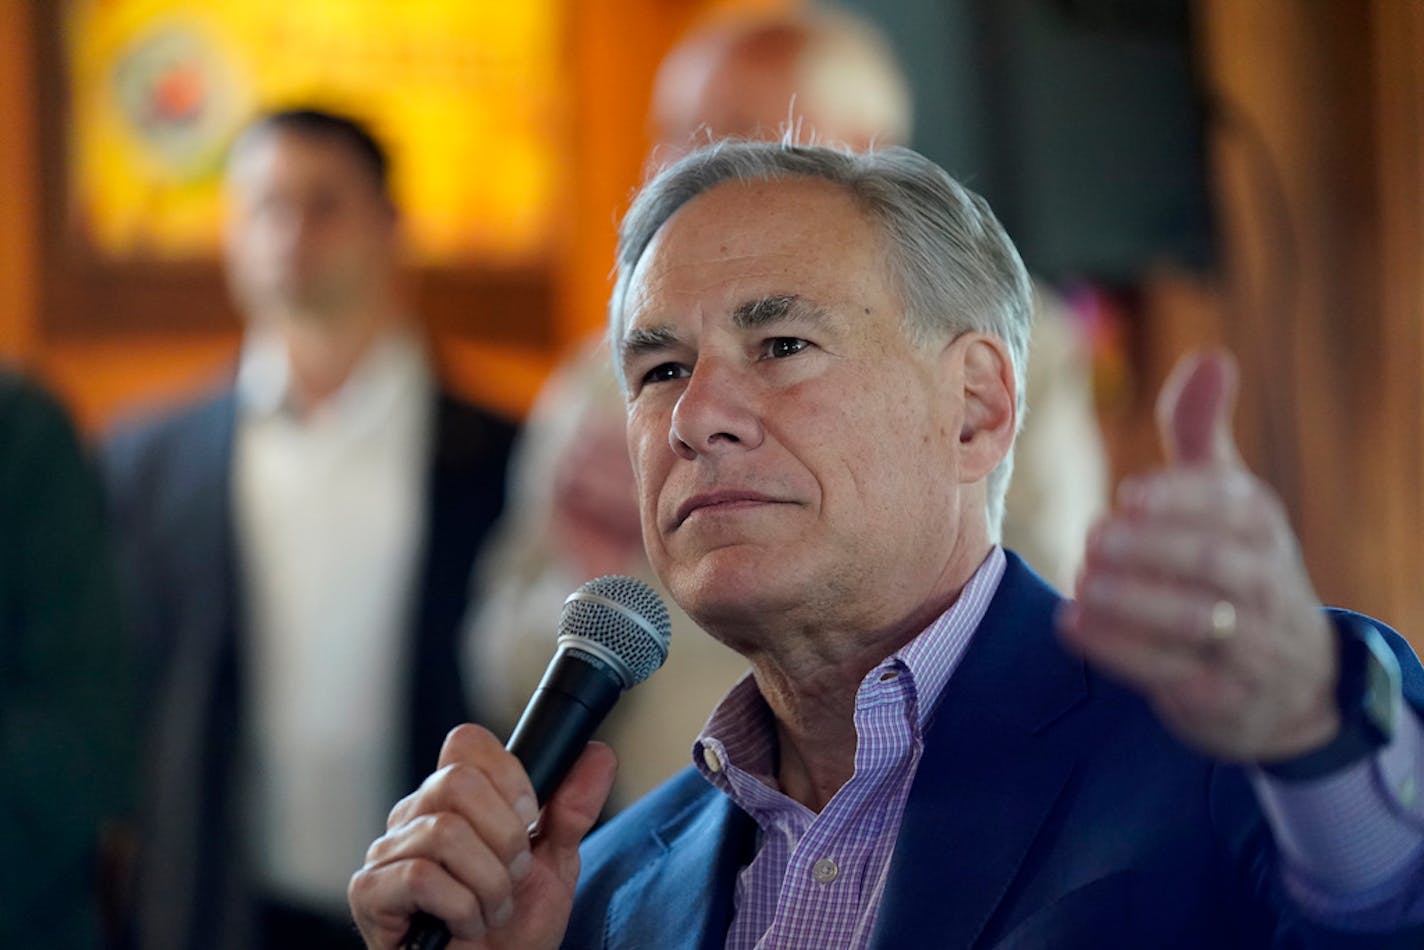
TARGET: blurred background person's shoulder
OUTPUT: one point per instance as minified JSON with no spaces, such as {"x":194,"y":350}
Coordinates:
{"x":67,"y":734}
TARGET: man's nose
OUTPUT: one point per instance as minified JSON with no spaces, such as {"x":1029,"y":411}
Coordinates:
{"x":716,"y":413}
{"x":290,"y":227}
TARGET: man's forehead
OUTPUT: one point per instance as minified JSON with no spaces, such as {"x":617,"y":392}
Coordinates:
{"x":267,"y":153}
{"x":748,"y":251}
{"x":804,"y":190}
{"x":741,"y":227}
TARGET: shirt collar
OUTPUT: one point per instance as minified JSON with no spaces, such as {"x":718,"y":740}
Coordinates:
{"x":392,"y":367}
{"x":264,"y":375}
{"x":741,"y":729}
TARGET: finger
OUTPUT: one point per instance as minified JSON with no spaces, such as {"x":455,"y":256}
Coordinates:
{"x":1234,"y":502}
{"x":575,"y":806}
{"x":468,"y":793}
{"x":1194,"y":411}
{"x":1184,"y":556}
{"x":1150,"y":614}
{"x":450,"y":841}
{"x":470,"y":750}
{"x":466,"y":744}
{"x":384,"y":899}
{"x":1141,"y":664}
{"x":476,"y":745}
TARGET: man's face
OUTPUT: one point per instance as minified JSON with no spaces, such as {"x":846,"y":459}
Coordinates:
{"x":309,"y":235}
{"x":796,"y":453}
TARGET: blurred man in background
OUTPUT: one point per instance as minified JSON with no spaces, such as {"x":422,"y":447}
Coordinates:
{"x":821,"y":75}
{"x":296,"y":552}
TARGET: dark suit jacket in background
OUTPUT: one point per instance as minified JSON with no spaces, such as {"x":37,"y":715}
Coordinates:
{"x":1050,"y":810}
{"x":170,"y":489}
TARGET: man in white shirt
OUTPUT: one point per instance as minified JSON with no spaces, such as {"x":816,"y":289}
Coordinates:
{"x":295,"y":555}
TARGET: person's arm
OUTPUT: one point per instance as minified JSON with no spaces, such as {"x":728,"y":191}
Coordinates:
{"x":1195,"y":594}
{"x":1352,"y":842}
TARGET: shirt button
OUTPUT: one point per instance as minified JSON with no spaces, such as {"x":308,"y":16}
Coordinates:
{"x":889,"y":675}
{"x":825,"y":870}
{"x":711,"y":759}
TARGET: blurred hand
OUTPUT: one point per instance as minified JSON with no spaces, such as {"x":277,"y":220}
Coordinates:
{"x":1193,"y":591}
{"x":596,"y":520}
{"x":458,"y":848}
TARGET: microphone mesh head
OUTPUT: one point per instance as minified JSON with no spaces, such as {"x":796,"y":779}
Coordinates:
{"x":624,"y":619}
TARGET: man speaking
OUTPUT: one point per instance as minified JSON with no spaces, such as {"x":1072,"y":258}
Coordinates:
{"x":823,"y":356}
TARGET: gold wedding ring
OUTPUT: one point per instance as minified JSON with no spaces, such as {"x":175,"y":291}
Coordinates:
{"x":1223,"y":621}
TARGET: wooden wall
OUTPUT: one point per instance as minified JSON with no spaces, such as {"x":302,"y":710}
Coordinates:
{"x":1320,"y":158}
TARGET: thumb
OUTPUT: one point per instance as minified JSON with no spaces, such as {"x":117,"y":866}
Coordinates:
{"x":575,"y":806}
{"x":1194,"y":410}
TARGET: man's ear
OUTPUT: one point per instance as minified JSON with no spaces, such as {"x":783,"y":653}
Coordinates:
{"x":990,"y":412}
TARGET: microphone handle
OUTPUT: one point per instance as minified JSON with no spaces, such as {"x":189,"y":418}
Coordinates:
{"x":427,"y":932}
{"x":572,"y":700}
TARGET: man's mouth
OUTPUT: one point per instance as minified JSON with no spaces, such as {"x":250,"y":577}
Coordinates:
{"x":724,"y":499}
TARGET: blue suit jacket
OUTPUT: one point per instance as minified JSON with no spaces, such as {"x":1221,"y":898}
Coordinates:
{"x":1050,"y":809}
{"x":169,"y":482}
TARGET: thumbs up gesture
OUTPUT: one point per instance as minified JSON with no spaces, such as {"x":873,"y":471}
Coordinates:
{"x":1193,"y":591}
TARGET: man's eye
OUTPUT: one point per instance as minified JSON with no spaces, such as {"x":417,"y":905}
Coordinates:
{"x":664,"y":372}
{"x":780,"y":347}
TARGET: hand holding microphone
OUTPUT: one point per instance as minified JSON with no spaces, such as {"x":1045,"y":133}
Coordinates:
{"x":458,"y":851}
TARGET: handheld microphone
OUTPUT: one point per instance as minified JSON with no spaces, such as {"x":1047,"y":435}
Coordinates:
{"x":613,"y":634}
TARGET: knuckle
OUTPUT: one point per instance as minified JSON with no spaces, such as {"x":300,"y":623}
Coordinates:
{"x":512,"y":842}
{"x":500,"y":890}
{"x":360,"y":885}
{"x":466,"y":919}
{"x":377,"y":849}
{"x":445,"y":830}
{"x":1268,"y":516}
{"x":401,"y":810}
{"x":419,"y":875}
{"x":459,"y":781}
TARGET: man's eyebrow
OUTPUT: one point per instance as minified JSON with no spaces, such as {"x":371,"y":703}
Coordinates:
{"x":640,"y":340}
{"x":749,"y":315}
{"x":765,"y":311}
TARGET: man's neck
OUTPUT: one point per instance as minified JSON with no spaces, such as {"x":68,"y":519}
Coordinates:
{"x":323,"y":352}
{"x":812,"y":692}
{"x":810,"y":679}
{"x":815,"y":732}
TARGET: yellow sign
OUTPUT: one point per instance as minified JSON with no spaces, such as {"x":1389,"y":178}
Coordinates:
{"x":465,"y":94}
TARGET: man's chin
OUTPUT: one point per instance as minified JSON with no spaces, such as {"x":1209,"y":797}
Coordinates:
{"x":729,"y":586}
{"x":304,"y":307}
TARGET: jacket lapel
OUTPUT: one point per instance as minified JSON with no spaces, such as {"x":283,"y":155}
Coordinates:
{"x":991,"y":771}
{"x":683,"y":898}
{"x":190,"y":867}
